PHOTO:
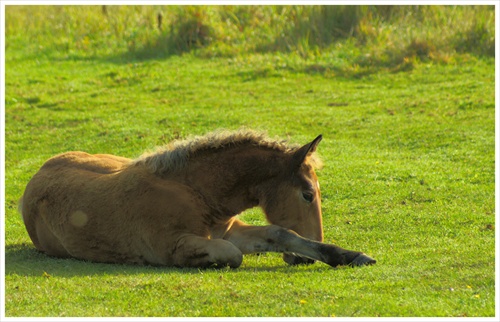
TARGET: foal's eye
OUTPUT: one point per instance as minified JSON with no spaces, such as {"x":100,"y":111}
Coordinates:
{"x":308,"y":196}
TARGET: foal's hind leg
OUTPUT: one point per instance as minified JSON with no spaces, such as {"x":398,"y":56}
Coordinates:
{"x":42,"y":236}
{"x":196,"y":251}
{"x":272,"y":238}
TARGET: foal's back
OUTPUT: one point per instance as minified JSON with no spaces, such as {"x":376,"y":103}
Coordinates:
{"x":81,"y":161}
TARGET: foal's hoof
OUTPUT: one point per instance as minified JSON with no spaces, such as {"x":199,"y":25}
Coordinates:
{"x":362,"y":259}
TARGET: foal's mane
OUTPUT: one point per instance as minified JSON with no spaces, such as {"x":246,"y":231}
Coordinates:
{"x":175,"y":155}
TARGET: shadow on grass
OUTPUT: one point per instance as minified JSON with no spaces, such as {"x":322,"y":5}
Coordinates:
{"x":25,"y":260}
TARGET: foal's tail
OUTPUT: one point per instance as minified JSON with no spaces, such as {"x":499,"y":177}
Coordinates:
{"x":20,"y":207}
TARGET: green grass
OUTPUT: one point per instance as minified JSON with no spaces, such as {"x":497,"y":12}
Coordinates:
{"x":409,"y":153}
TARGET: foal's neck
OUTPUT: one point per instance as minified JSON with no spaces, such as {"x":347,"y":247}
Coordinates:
{"x":230,"y":181}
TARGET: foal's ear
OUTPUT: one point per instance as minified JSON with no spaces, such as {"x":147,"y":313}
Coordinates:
{"x":300,"y":155}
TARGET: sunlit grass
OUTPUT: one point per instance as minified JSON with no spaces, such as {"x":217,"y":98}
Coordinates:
{"x":376,"y":35}
{"x":408,"y":150}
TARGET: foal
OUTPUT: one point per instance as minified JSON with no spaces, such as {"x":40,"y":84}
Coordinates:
{"x":177,"y":206}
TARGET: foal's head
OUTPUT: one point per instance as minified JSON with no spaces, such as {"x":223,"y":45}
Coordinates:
{"x":293,"y":199}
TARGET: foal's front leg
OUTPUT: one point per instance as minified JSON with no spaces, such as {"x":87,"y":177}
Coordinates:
{"x":272,"y":238}
{"x":196,"y":251}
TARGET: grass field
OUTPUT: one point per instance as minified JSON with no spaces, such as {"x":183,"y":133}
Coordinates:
{"x":409,"y":150}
